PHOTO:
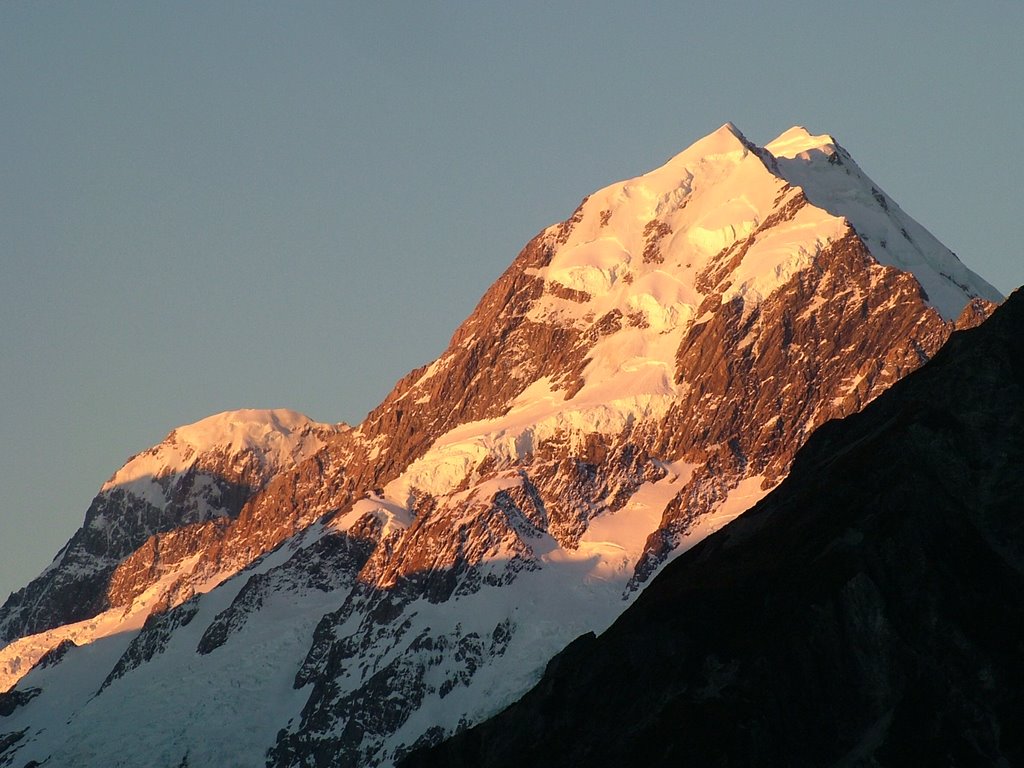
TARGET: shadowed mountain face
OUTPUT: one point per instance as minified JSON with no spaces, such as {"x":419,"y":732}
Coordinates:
{"x":870,"y":611}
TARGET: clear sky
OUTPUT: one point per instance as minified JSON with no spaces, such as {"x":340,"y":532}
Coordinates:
{"x":207,"y":206}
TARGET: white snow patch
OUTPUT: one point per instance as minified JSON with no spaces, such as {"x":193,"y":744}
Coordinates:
{"x":591,"y":266}
{"x":617,"y":538}
{"x":278,"y":437}
{"x":395,"y":517}
{"x":744,"y":496}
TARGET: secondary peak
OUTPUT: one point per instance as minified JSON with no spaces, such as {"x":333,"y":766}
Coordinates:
{"x":798,"y":139}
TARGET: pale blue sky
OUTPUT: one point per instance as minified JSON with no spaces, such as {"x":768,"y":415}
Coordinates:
{"x":209,"y":206}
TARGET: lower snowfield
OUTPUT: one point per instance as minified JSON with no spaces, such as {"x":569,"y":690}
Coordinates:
{"x":225,"y":707}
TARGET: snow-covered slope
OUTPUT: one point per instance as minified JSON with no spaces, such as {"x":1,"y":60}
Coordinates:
{"x":196,"y":480}
{"x":895,"y":239}
{"x":642,"y":373}
{"x":274,"y":439}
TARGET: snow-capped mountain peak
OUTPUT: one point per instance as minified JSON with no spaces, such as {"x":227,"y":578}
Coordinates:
{"x":267,"y":430}
{"x":105,"y":580}
{"x":798,"y":141}
{"x":726,"y":140}
{"x":832,"y":181}
{"x":641,"y":373}
{"x":275,"y":437}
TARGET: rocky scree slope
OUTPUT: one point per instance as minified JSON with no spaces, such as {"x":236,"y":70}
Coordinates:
{"x":641,"y":374}
{"x":867,"y":612}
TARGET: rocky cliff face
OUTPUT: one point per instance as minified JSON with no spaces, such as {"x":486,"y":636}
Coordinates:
{"x":867,"y":612}
{"x":641,"y":374}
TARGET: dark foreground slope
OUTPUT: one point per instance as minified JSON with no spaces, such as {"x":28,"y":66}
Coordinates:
{"x":869,"y":612}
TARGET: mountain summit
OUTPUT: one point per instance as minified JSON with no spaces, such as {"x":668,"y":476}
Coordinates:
{"x":642,"y":373}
